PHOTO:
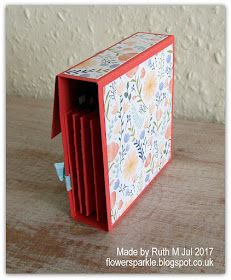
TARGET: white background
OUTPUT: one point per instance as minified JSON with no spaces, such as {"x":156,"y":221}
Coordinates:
{"x":2,"y":163}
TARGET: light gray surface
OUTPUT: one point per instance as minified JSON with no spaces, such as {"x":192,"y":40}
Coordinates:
{"x":42,"y":41}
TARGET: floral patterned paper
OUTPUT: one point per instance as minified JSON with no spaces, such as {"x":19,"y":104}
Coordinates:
{"x":138,"y":112}
{"x":106,"y":61}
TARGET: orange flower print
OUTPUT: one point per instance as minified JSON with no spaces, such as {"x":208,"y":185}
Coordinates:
{"x":114,"y":109}
{"x":112,"y":150}
{"x":149,"y":141}
{"x":113,"y":199}
{"x":130,"y":165}
{"x":146,"y":123}
{"x":126,"y":56}
{"x":88,"y":63}
{"x":159,"y":114}
{"x":125,"y":107}
{"x":120,"y":88}
{"x":170,"y":85}
{"x":151,"y":108}
{"x":132,"y":72}
{"x":150,"y":84}
{"x":168,"y":132}
{"x":166,"y":102}
{"x":128,"y":49}
{"x":129,"y":43}
{"x":148,"y":160}
{"x":117,"y":128}
{"x":142,"y":73}
{"x":157,"y":164}
{"x":120,"y":204}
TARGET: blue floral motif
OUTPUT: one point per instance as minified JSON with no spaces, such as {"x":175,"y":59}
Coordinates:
{"x":147,"y":177}
{"x":114,"y":65}
{"x":168,"y":59}
{"x":85,"y":75}
{"x":117,"y":184}
{"x":126,"y":137}
{"x":142,"y":134}
{"x":161,"y":86}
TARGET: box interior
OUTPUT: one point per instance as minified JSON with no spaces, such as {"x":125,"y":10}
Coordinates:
{"x":81,"y":133}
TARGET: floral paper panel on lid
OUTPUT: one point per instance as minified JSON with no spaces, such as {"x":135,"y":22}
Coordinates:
{"x":108,"y":60}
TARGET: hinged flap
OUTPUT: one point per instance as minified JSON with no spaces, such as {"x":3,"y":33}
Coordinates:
{"x":56,"y":128}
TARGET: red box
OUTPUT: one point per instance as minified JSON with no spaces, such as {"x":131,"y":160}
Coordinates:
{"x":115,"y":112}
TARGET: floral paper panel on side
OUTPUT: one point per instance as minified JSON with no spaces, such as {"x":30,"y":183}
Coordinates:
{"x":138,"y":112}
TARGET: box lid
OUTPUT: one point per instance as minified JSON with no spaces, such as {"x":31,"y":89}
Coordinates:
{"x":111,"y":58}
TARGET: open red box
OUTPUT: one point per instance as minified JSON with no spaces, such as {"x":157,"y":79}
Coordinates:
{"x":115,"y":112}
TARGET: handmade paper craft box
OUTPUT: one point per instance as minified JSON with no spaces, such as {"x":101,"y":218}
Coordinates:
{"x":115,"y":112}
